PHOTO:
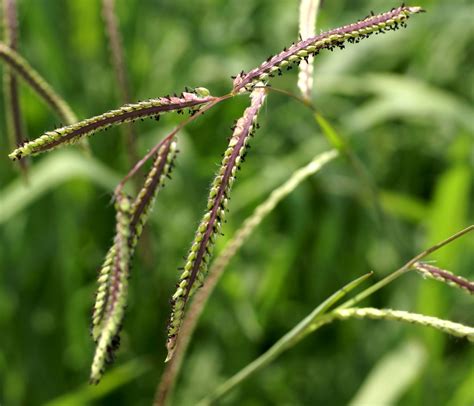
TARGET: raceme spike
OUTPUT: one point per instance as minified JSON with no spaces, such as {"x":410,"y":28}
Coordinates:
{"x":200,"y":252}
{"x":433,"y":272}
{"x":446,"y":326}
{"x":113,"y":313}
{"x":154,"y":181}
{"x":127,"y":113}
{"x":380,"y":23}
{"x":140,"y":209}
{"x":101,"y":296}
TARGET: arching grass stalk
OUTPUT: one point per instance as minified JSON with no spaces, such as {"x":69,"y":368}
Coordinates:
{"x":220,"y":264}
{"x":13,"y":114}
{"x":321,"y":316}
{"x":195,"y":268}
{"x":118,"y":64}
{"x":42,"y":88}
{"x":445,"y":326}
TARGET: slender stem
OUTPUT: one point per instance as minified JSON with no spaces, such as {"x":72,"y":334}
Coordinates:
{"x":171,"y":135}
{"x":307,"y":28}
{"x":42,"y":88}
{"x":219,"y":265}
{"x":319,"y":320}
{"x":405,"y":268}
{"x":12,"y":103}
{"x":338,"y":142}
{"x":118,"y":63}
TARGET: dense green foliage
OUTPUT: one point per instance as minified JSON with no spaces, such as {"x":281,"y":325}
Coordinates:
{"x":403,"y":100}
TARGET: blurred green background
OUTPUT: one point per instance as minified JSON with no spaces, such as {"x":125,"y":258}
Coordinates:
{"x":404,"y":102}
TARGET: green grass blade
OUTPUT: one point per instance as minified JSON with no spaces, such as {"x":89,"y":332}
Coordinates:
{"x":48,"y":174}
{"x":114,"y":379}
{"x":305,"y":327}
{"x":405,"y":362}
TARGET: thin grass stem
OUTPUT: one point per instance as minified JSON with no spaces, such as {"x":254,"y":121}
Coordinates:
{"x":118,"y":63}
{"x":42,"y":88}
{"x":13,"y":112}
{"x":220,"y":264}
{"x":307,"y":29}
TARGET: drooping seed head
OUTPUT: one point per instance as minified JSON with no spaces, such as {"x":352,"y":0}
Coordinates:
{"x":107,"y":331}
{"x":446,"y":326}
{"x":139,"y":211}
{"x":390,"y":20}
{"x":433,"y":272}
{"x":199,"y":255}
{"x":127,"y":113}
{"x":154,"y":181}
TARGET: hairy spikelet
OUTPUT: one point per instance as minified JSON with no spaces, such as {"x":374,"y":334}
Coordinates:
{"x":433,"y":272}
{"x":113,"y":312}
{"x":200,"y":253}
{"x":128,"y":113}
{"x":446,"y":326}
{"x":102,"y":292}
{"x":139,"y":211}
{"x":390,"y":20}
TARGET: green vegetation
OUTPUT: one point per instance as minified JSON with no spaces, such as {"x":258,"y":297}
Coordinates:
{"x":397,"y":107}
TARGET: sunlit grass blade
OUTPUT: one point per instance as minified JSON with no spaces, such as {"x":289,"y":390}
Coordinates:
{"x":54,"y":170}
{"x":307,"y":23}
{"x":117,"y":377}
{"x":406,"y":362}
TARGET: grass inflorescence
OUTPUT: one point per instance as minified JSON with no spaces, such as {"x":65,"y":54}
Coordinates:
{"x":132,"y":213}
{"x":332,"y":39}
{"x":107,"y":334}
{"x":152,"y":108}
{"x":433,"y":272}
{"x":200,"y":253}
{"x":131,"y":218}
